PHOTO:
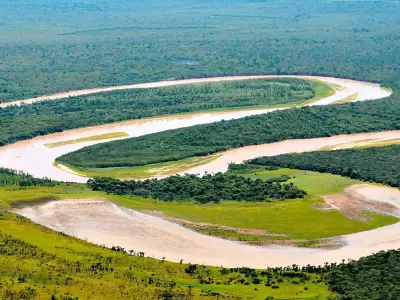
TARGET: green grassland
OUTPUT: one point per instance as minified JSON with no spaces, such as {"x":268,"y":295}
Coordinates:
{"x":296,"y":219}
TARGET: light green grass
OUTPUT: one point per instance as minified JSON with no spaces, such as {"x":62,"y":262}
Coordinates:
{"x":99,"y":137}
{"x":322,"y":90}
{"x":314,"y":183}
{"x":296,"y":218}
{"x":152,"y":170}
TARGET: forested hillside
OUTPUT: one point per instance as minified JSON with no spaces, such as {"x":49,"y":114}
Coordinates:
{"x":301,"y":123}
{"x":50,"y":46}
{"x":54,"y":116}
{"x":377,"y":164}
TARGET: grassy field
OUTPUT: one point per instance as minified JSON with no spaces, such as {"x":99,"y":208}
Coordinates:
{"x":296,"y":219}
{"x":42,"y":263}
{"x":99,"y":137}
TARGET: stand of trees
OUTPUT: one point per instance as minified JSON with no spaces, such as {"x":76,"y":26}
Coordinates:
{"x":374,"y":277}
{"x":13,"y":178}
{"x":209,"y":188}
{"x":201,"y":140}
{"x":377,"y":164}
{"x":28,"y":121}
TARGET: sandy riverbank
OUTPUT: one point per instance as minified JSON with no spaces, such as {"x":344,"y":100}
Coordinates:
{"x":104,"y":223}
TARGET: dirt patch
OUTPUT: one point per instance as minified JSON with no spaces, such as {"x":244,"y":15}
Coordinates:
{"x":353,"y":205}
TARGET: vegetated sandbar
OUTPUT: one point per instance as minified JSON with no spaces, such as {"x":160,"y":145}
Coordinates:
{"x":106,"y":136}
{"x":102,"y":222}
{"x":33,"y":157}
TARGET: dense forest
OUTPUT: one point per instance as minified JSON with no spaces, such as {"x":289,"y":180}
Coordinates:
{"x":299,"y":123}
{"x":374,"y":277}
{"x":54,"y":116}
{"x":13,"y":178}
{"x":209,"y":188}
{"x":50,"y":46}
{"x":377,"y":164}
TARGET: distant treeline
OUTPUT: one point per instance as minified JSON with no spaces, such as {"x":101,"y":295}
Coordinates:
{"x":27,"y":121}
{"x":209,"y":188}
{"x":377,"y":164}
{"x":101,"y":44}
{"x":14,"y":178}
{"x":202,"y":140}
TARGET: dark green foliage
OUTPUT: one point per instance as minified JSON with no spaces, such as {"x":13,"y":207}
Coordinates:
{"x":378,"y":164}
{"x":374,"y":277}
{"x":200,"y":140}
{"x":209,"y":188}
{"x":28,"y":121}
{"x":13,"y":178}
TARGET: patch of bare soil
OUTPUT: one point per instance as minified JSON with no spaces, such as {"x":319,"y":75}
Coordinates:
{"x":353,"y":205}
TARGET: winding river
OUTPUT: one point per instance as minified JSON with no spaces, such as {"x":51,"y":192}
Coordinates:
{"x":102,"y":222}
{"x":35,"y":158}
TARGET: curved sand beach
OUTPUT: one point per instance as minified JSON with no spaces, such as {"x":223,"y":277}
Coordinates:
{"x":104,"y":223}
{"x":34,"y":157}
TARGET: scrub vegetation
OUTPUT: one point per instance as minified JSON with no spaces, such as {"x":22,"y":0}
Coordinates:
{"x":75,"y":112}
{"x":376,"y":164}
{"x":202,"y":140}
